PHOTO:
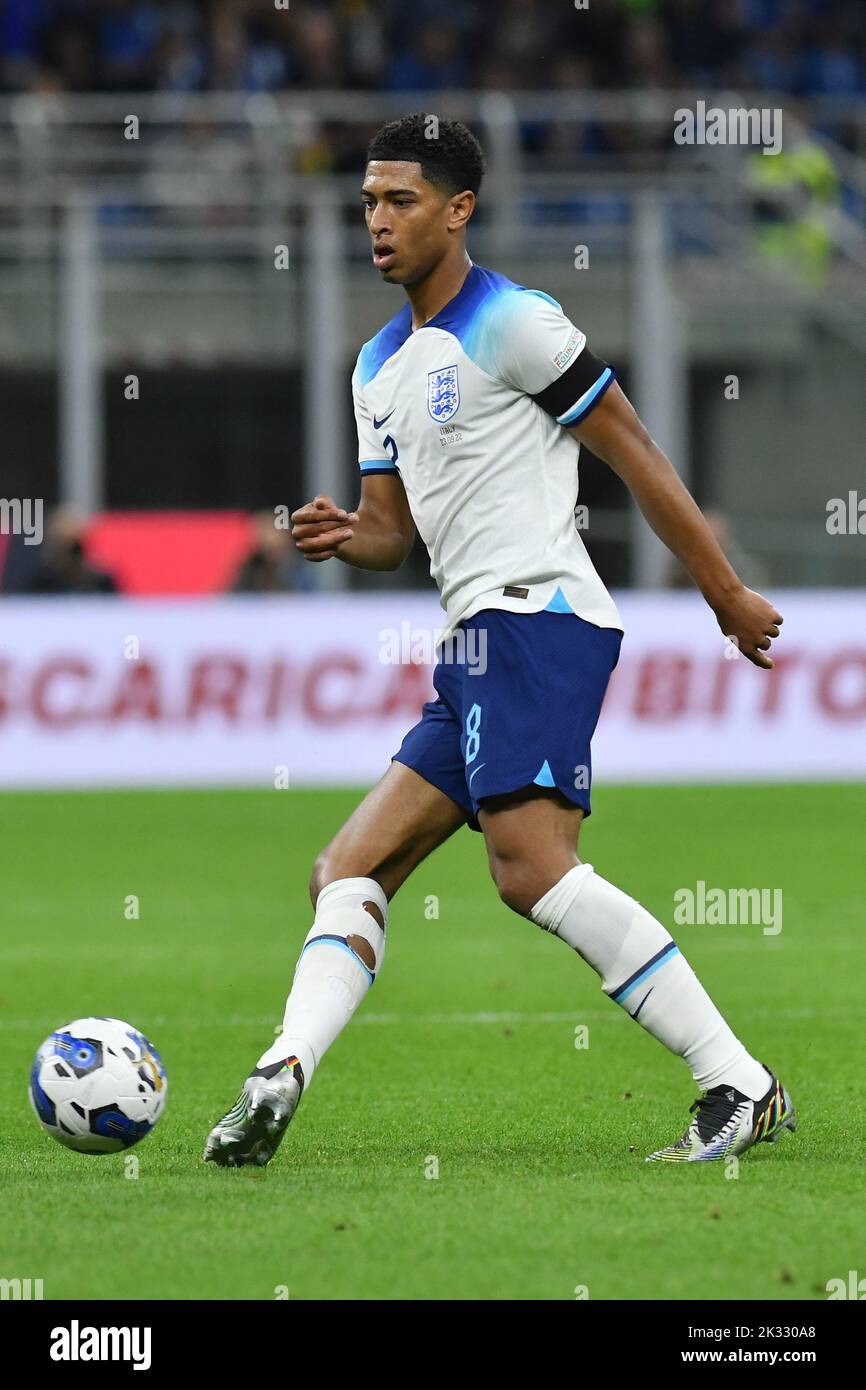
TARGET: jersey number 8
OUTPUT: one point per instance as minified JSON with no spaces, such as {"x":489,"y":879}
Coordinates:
{"x":473,"y":733}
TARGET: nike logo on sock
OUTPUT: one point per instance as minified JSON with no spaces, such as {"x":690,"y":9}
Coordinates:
{"x":642,"y":1002}
{"x":377,"y":424}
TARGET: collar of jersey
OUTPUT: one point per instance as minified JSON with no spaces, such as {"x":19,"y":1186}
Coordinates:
{"x":454,"y":309}
{"x":454,"y":317}
{"x":450,"y":314}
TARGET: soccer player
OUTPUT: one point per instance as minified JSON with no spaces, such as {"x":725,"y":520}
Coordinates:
{"x":471,"y":404}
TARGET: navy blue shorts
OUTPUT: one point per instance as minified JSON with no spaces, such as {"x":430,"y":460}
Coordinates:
{"x":519,"y":698}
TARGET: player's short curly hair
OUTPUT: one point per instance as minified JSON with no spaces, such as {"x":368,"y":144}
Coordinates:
{"x":449,"y":154}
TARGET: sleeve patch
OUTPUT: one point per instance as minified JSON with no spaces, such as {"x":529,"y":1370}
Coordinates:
{"x":576,"y":343}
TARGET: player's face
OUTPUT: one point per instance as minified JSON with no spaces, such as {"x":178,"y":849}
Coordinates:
{"x":411,"y":222}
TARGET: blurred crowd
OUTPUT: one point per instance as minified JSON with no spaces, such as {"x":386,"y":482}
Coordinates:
{"x":801,"y":47}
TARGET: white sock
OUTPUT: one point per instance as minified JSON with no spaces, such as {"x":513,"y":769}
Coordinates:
{"x":330,"y":978}
{"x":642,"y":970}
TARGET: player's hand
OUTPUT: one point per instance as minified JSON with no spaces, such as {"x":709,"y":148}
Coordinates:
{"x":751,"y":621}
{"x":320,"y":528}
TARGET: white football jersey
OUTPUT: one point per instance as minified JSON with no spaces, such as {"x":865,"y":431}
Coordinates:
{"x":469,"y":411}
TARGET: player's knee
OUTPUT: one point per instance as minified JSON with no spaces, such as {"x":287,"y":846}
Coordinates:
{"x":516,"y":882}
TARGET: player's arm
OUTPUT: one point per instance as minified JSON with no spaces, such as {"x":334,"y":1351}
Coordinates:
{"x":378,"y":536}
{"x":614,"y":432}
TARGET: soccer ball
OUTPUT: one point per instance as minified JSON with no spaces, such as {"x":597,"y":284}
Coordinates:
{"x":97,"y":1085}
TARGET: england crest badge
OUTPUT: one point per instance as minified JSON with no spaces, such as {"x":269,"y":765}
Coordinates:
{"x":443,"y":394}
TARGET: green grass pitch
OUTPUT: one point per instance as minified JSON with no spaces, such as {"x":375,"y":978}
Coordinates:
{"x":464,"y":1052}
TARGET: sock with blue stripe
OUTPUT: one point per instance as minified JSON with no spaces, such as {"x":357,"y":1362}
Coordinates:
{"x":642,"y":970}
{"x":338,"y":963}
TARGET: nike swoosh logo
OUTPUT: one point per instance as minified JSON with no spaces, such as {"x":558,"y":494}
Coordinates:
{"x":480,"y":765}
{"x":377,"y":424}
{"x":642,"y":1002}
